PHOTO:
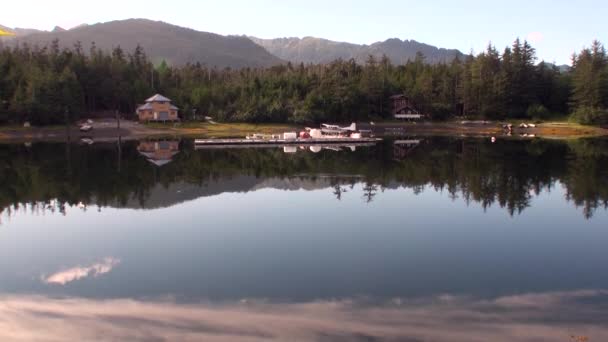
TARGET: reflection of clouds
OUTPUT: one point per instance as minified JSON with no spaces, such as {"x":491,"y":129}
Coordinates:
{"x":79,"y":272}
{"x":534,"y":317}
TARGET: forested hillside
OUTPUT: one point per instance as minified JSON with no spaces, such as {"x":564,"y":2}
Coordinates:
{"x":41,"y":84}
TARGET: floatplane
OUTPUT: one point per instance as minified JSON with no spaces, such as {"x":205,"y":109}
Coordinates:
{"x":337,"y":130}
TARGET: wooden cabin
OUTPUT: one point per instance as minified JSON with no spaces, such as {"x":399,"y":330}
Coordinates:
{"x":158,"y":109}
{"x":404,"y":108}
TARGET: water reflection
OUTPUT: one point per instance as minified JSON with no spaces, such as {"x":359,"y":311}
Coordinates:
{"x":159,"y":152}
{"x":80,"y":272}
{"x":509,"y":173}
{"x":410,"y":240}
{"x":555,"y":316}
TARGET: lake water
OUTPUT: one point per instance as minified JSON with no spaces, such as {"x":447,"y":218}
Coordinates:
{"x":419,"y":239}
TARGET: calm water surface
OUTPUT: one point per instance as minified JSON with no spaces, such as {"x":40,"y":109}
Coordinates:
{"x":434,"y":239}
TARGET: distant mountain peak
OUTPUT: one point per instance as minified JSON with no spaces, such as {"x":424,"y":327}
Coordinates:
{"x":394,"y":40}
{"x":162,"y":41}
{"x":58,"y":29}
{"x":79,"y":26}
{"x":319,"y":50}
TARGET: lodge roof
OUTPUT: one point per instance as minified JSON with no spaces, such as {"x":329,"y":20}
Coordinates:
{"x":158,"y":98}
{"x":145,"y":106}
{"x":148,"y":106}
{"x":406,"y":107}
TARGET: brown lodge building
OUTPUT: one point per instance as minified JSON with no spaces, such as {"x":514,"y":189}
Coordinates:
{"x":158,"y":108}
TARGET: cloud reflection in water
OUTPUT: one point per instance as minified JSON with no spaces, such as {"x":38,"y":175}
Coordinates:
{"x":80,"y":272}
{"x":532,"y":317}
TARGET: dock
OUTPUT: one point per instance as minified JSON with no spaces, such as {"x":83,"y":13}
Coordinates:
{"x":260,"y":146}
{"x":285,"y":142}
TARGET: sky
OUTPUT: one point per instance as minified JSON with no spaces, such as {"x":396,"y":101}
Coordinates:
{"x":555,"y":28}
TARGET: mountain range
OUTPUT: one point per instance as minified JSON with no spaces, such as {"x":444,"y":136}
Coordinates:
{"x":179,"y":45}
{"x":319,"y":51}
{"x":161,"y":41}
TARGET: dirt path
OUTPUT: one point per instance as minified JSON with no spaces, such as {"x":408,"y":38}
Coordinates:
{"x":103,"y":130}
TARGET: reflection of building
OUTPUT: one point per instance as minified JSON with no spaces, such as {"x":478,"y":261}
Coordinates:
{"x":403,"y":108}
{"x":157,"y":108}
{"x":159,"y":152}
{"x":402,"y":148}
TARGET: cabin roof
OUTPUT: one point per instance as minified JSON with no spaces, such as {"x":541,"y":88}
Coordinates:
{"x":405,"y":107}
{"x":158,"y":98}
{"x":145,"y":106}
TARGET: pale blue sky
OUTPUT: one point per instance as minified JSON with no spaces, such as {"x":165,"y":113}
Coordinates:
{"x":557,"y":28}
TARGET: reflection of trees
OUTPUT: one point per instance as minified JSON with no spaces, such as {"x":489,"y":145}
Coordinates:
{"x":369,"y":192}
{"x":509,"y":173}
{"x":588,"y":177}
{"x":338,"y":191}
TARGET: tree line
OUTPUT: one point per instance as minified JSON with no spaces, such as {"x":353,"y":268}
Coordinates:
{"x":49,"y":85}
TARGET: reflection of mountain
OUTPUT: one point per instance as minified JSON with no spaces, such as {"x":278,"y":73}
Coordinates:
{"x":160,"y":196}
{"x":509,"y":173}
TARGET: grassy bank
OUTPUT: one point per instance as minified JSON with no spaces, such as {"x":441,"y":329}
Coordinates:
{"x":134,"y":130}
{"x":561,"y":129}
{"x":221,"y":130}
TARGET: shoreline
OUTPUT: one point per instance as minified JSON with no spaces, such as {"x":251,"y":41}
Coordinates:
{"x":106,"y":131}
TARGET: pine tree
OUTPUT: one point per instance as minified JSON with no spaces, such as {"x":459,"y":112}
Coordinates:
{"x":590,"y":85}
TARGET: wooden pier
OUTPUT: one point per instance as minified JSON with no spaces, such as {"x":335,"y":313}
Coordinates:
{"x":285,"y":142}
{"x":260,"y":146}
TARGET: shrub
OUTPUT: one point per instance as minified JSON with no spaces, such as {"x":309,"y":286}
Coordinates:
{"x":441,"y":111}
{"x":538,"y":112}
{"x":590,"y":116}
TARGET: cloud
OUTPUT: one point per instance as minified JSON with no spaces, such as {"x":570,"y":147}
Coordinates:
{"x":535,"y":37}
{"x":76,"y":273}
{"x":526,"y":318}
